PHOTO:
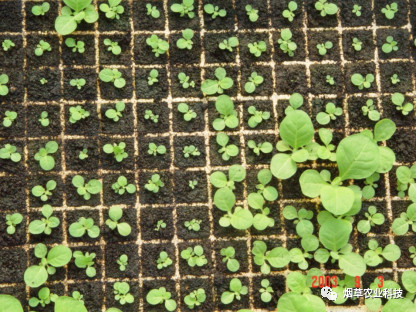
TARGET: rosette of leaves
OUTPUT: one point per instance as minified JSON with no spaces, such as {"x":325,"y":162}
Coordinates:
{"x":92,"y":187}
{"x":261,"y":219}
{"x":46,"y":161}
{"x":375,"y":255}
{"x":161,"y":296}
{"x":211,"y":86}
{"x":44,"y":192}
{"x":73,"y":13}
{"x":113,"y":9}
{"x":278,"y":257}
{"x":228,"y":115}
{"x":46,"y":224}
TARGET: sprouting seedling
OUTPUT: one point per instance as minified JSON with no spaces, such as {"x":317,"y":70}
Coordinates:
{"x":266,"y":292}
{"x":406,"y":220}
{"x":236,"y":173}
{"x":324,"y":47}
{"x":193,"y":225}
{"x":326,"y":151}
{"x":113,"y":9}
{"x":116,"y":213}
{"x":154,"y":184}
{"x":85,"y":261}
{"x":252,"y":13}
{"x":262,"y":147}
{"x":43,"y":81}
{"x":395,"y":79}
{"x":370,"y":186}
{"x":412,"y":251}
{"x":195,"y":298}
{"x":362,"y":82}
{"x":77,"y":113}
{"x":40,"y":10}
{"x":76,"y":45}
{"x":73,"y":13}
{"x":390,"y":10}
{"x":192,"y":184}
{"x":190,"y":150}
{"x":289,"y":13}
{"x":398,"y":100}
{"x":152,"y":78}
{"x":148,"y":114}
{"x":229,"y":44}
{"x":278,"y":257}
{"x":83,"y":154}
{"x":186,"y":41}
{"x":188,"y":113}
{"x":112,"y":75}
{"x":257,"y":117}
{"x":44,"y":298}
{"x":4,"y":79}
{"x":44,"y":119}
{"x":79,"y":83}
{"x":122,"y":293}
{"x":257,"y":48}
{"x":84,"y":226}
{"x":357,"y":10}
{"x":210,"y":86}
{"x":161,"y":295}
{"x":46,"y":161}
{"x":9,"y":117}
{"x":185,"y":81}
{"x":214,"y":11}
{"x":390,"y":45}
{"x":227,"y":150}
{"x":115,"y":113}
{"x":300,"y":218}
{"x":375,"y":255}
{"x":117,"y":150}
{"x":152,"y":10}
{"x":285,"y":42}
{"x":159,"y":46}
{"x":331,"y":113}
{"x":357,"y":44}
{"x":370,"y":110}
{"x":253,"y":82}
{"x":46,"y":224}
{"x":160,"y":225}
{"x":7,"y":44}
{"x":261,"y":219}
{"x":85,"y":190}
{"x":235,"y":292}
{"x":156,"y":149}
{"x":163,"y":261}
{"x":41,"y":47}
{"x":112,"y":46}
{"x":57,"y":256}
{"x":194,"y":256}
{"x":373,"y":218}
{"x":122,"y":261}
{"x":269,"y":192}
{"x":326,"y":8}
{"x":228,"y":115}
{"x":330,"y":80}
{"x":228,"y":254}
{"x":184,"y":8}
{"x":9,"y":151}
{"x":13,"y":220}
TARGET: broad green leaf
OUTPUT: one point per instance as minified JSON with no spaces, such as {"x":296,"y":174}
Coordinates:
{"x":404,"y":304}
{"x":283,"y":166}
{"x":69,"y":304}
{"x":237,"y":173}
{"x":311,"y":183}
{"x":293,"y":302}
{"x":387,"y":159}
{"x":59,"y":256}
{"x":296,"y":282}
{"x":224,"y":199}
{"x":337,"y":199}
{"x":296,"y":129}
{"x":35,"y":276}
{"x":65,"y":25}
{"x":335,"y":233}
{"x":400,"y":226}
{"x":409,"y":281}
{"x":278,"y":257}
{"x":391,"y":252}
{"x":384,"y":130}
{"x":77,"y":5}
{"x":10,"y":304}
{"x":352,"y":264}
{"x":241,"y":219}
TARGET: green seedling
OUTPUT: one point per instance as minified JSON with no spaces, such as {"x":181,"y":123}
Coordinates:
{"x":43,"y":81}
{"x":370,"y":186}
{"x":9,"y":117}
{"x":82,"y":226}
{"x":115,"y":113}
{"x":228,"y":255}
{"x":195,"y":298}
{"x":236,"y":291}
{"x":112,"y":46}
{"x":395,"y":79}
{"x":46,"y":224}
{"x":192,"y":184}
{"x":324,"y":47}
{"x":117,"y":150}
{"x":406,"y":178}
{"x":412,"y":251}
{"x":375,"y":255}
{"x":370,"y":110}
{"x":257,"y":48}
{"x":265,"y":147}
{"x":148,"y":114}
{"x":41,"y":47}
{"x":77,"y":113}
{"x":122,"y":293}
{"x":79,"y":83}
{"x":330,"y":80}
{"x":156,"y":149}
{"x":398,"y":100}
{"x":194,"y":256}
{"x":252,"y":13}
{"x":331,"y":113}
{"x":13,"y":220}
{"x":390,"y":10}
{"x":83,"y":154}
{"x":4,"y":79}
{"x":373,"y":218}
{"x":253,"y":82}
{"x":236,"y":173}
{"x":186,"y":8}
{"x":46,"y":161}
{"x":9,"y":151}
{"x":7,"y":44}
{"x":113,"y":9}
{"x":390,"y":45}
{"x":44,"y":119}
{"x":186,"y":41}
{"x":362,"y":82}
{"x":159,"y":46}
{"x":186,"y":81}
{"x":326,"y":8}
{"x":154,"y":184}
{"x":85,"y":261}
{"x":152,"y":10}
{"x":214,"y":11}
{"x":160,"y":225}
{"x":267,"y":191}
{"x":406,"y":220}
{"x":357,"y":10}
{"x":161,"y":296}
{"x":227,"y":150}
{"x":211,"y":87}
{"x":228,"y":115}
{"x":289,"y":13}
{"x":286,"y":44}
{"x":116,"y":213}
{"x":193,"y":225}
{"x":163,"y":261}
{"x":44,"y":298}
{"x":73,"y":13}
{"x":40,"y":10}
{"x":74,"y":303}
{"x":85,"y":190}
{"x":357,"y":44}
{"x":278,"y":257}
{"x":257,"y":117}
{"x":153,"y":77}
{"x":122,"y":262}
{"x":229,"y":44}
{"x":261,"y":219}
{"x":190,"y":150}
{"x":266,"y":292}
{"x":76,"y":45}
{"x":301,"y":219}
{"x":112,"y":75}
{"x":188,"y":113}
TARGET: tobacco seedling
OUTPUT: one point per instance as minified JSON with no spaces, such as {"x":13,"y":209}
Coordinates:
{"x":330,"y":80}
{"x":7,"y":44}
{"x":85,"y":190}
{"x":195,"y":298}
{"x":83,"y":154}
{"x":113,"y":9}
{"x":148,"y":114}
{"x":211,"y":87}
{"x":43,"y":81}
{"x":152,"y":10}
{"x":228,"y":254}
{"x":261,"y":220}
{"x":186,"y":41}
{"x":161,"y":296}
{"x":227,"y":150}
{"x":412,"y":251}
{"x":286,"y":44}
{"x":159,"y":46}
{"x":122,"y":262}
{"x":186,"y":81}
{"x":46,"y":161}
{"x":390,"y":10}
{"x":41,"y":47}
{"x":252,"y":13}
{"x":153,"y":77}
{"x":112,"y":46}
{"x":8,"y":151}
{"x":193,"y":225}
{"x":267,"y":191}
{"x":116,"y":213}
{"x":79,"y":83}
{"x":192,"y":184}
{"x":370,"y":110}
{"x":229,"y":44}
{"x":82,"y":226}
{"x":289,"y":12}
{"x":406,"y":181}
{"x":46,"y":224}
{"x":278,"y":257}
{"x":375,"y":255}
{"x":264,"y":147}
{"x":407,"y":219}
{"x":163,"y":261}
{"x":257,"y":117}
{"x":115,"y":113}
{"x":156,"y":149}
{"x":85,"y":261}
{"x":122,"y":293}
{"x":357,"y":44}
{"x":228,"y":115}
{"x":214,"y":11}
{"x":326,"y":8}
{"x":45,"y":297}
{"x":253,"y":82}
{"x":331,"y":113}
{"x":194,"y":256}
{"x":373,"y":218}
{"x":362,"y":82}
{"x":236,"y":173}
{"x":57,"y":256}
{"x":324,"y":47}
{"x":398,"y":100}
{"x":190,"y":150}
{"x":184,"y":8}
{"x":117,"y":150}
{"x":38,"y":10}
{"x":77,"y":113}
{"x":390,"y":45}
{"x":236,"y":291}
{"x":12,"y":220}
{"x":73,"y":13}
{"x":395,"y":79}
{"x":44,"y":120}
{"x":4,"y":79}
{"x":301,"y":219}
{"x":357,"y":10}
{"x":160,"y":225}
{"x":112,"y":75}
{"x":154,"y":184}
{"x":370,"y":186}
{"x":9,"y":117}
{"x":188,"y":113}
{"x":76,"y":45}
{"x":257,"y":48}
